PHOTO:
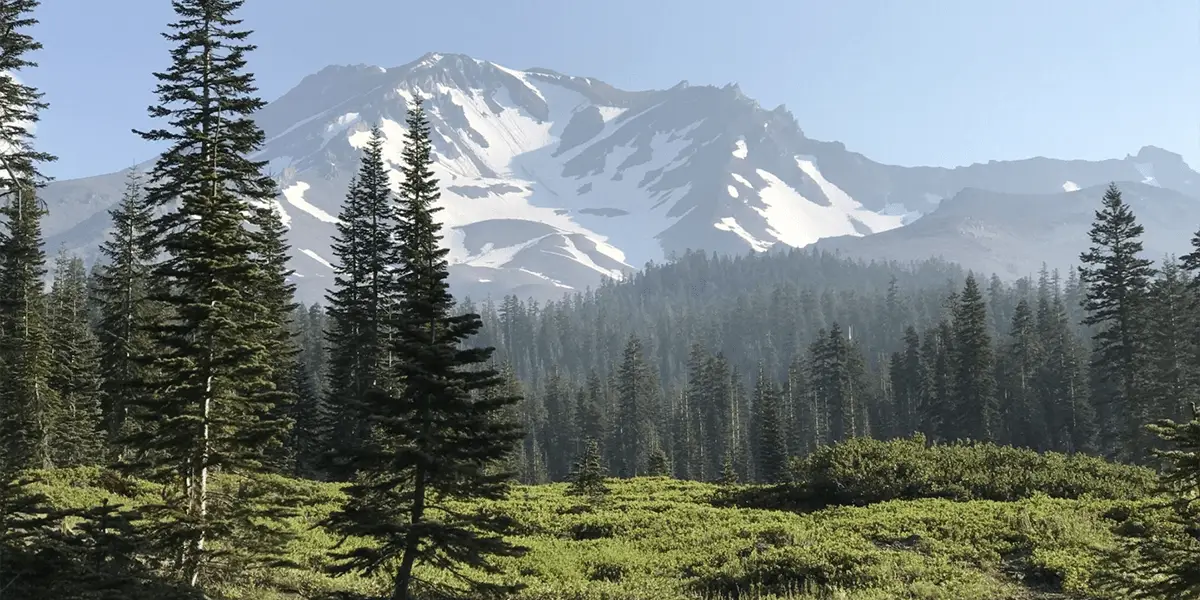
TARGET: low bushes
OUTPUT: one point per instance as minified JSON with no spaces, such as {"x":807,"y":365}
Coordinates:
{"x":864,"y":471}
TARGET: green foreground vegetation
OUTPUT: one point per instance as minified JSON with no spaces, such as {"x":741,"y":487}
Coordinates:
{"x":661,"y":539}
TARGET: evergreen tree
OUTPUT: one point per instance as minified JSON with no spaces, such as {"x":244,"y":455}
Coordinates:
{"x":362,"y":302}
{"x":437,"y":435}
{"x":905,"y":370}
{"x":311,"y":431}
{"x":1164,"y":566}
{"x":1023,"y":414}
{"x":1172,"y":383}
{"x":588,"y":476}
{"x":590,"y":419}
{"x":772,"y":449}
{"x":215,"y":357}
{"x":937,"y":408}
{"x":120,"y":293}
{"x":1116,"y":280}
{"x":275,"y":295}
{"x":1061,"y":381}
{"x":634,"y":427}
{"x":557,"y":441}
{"x":975,"y":410}
{"x":75,"y":373}
{"x":658,"y":464}
{"x":27,"y":405}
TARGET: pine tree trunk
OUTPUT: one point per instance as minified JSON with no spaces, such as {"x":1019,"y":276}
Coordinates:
{"x":413,"y":541}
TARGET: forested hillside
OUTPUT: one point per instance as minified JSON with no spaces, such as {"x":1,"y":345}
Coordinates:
{"x":173,"y":425}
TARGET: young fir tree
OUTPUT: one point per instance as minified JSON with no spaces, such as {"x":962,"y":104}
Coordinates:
{"x":658,"y":464}
{"x":120,"y":293}
{"x":215,"y":370}
{"x":905,"y":371}
{"x":1061,"y":380}
{"x":1156,"y":561}
{"x":634,"y":426}
{"x":437,"y":435}
{"x":976,"y":414}
{"x":361,"y":303}
{"x":1024,"y":418}
{"x":311,"y":429}
{"x":1116,"y":280}
{"x":771,"y":445}
{"x":588,"y":476}
{"x":75,"y":374}
{"x":1172,"y":384}
{"x":27,"y":405}
{"x":275,"y":296}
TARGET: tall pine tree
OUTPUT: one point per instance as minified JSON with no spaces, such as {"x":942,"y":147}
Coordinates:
{"x":362,"y":302}
{"x":976,"y":414}
{"x":27,"y":405}
{"x":1117,"y":279}
{"x":120,"y":291}
{"x":216,"y":355}
{"x":436,"y":435}
{"x":75,"y":373}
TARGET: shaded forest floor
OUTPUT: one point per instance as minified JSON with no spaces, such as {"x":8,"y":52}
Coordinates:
{"x":664,"y":539}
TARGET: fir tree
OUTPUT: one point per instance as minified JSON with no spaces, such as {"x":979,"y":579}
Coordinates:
{"x":1116,"y":280}
{"x":588,"y":476}
{"x":905,"y":372}
{"x":310,"y":438}
{"x":120,"y":292}
{"x":1061,"y":381}
{"x":275,"y":296}
{"x":75,"y":374}
{"x":976,"y":414}
{"x":363,"y":300}
{"x":437,"y":435}
{"x":633,"y":431}
{"x":771,"y":447}
{"x":1024,"y":416}
{"x":1153,"y":565}
{"x":658,"y":464}
{"x":216,"y":355}
{"x":1172,"y":383}
{"x":729,"y":476}
{"x":27,"y":405}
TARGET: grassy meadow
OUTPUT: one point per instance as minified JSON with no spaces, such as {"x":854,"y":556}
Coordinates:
{"x":666,"y":539}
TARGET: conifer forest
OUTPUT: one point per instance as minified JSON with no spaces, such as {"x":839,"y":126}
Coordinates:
{"x":174,"y":424}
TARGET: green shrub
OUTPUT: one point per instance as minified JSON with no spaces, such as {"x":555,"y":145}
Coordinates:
{"x":864,"y":471}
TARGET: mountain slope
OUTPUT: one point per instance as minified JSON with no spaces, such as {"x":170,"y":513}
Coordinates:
{"x":553,"y":182}
{"x":1012,"y":235}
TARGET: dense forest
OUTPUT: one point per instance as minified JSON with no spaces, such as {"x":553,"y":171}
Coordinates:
{"x":180,"y":374}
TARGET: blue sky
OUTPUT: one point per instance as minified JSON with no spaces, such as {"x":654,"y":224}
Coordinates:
{"x":911,"y":82}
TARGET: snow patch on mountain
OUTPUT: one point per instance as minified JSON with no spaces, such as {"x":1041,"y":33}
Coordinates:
{"x":1070,"y":186}
{"x":1147,"y":172}
{"x":731,"y":225}
{"x":316,"y":257}
{"x":295,"y":196}
{"x":739,"y":149}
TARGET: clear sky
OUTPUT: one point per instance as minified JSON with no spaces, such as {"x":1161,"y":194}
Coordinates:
{"x":911,"y":82}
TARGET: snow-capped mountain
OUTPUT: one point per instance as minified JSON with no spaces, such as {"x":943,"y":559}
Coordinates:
{"x":552,"y":182}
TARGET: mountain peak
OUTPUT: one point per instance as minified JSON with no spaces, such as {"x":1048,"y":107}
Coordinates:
{"x":1155,"y":154}
{"x":552,"y":181}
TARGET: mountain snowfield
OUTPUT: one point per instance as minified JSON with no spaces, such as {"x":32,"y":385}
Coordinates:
{"x":552,"y":182}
